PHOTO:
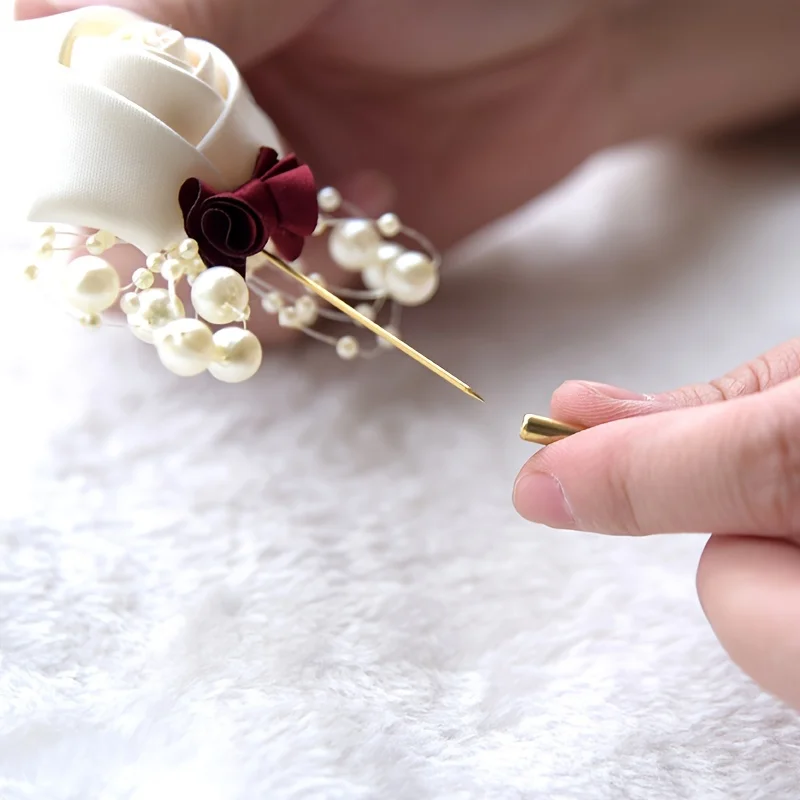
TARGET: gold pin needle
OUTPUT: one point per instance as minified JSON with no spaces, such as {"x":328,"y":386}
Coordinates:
{"x":371,"y":326}
{"x":543,"y":430}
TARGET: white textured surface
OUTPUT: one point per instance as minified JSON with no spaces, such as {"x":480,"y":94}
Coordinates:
{"x":314,"y":586}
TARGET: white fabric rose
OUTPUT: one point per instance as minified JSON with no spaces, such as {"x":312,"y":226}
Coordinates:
{"x":113,"y":114}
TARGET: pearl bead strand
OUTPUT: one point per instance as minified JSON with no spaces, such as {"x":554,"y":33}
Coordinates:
{"x":397,"y":267}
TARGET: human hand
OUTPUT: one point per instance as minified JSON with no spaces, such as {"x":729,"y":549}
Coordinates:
{"x":722,"y":457}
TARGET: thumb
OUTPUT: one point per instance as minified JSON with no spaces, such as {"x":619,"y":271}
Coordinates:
{"x":248,"y":30}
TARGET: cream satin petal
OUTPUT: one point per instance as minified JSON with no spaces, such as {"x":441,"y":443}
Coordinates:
{"x":233,"y":142}
{"x":38,"y":41}
{"x":170,"y":93}
{"x":93,"y":159}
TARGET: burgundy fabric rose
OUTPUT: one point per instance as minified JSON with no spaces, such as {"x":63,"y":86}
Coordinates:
{"x":279,"y":202}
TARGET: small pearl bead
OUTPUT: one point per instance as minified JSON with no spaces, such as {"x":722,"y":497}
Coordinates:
{"x":412,"y":279}
{"x":143,"y":278}
{"x":382,"y":343}
{"x":31,"y":272}
{"x":157,"y":307}
{"x":329,"y":199}
{"x":90,"y":320}
{"x":107,"y":238}
{"x":188,"y":249}
{"x":220,"y":295}
{"x":307,"y":311}
{"x":288,"y":317}
{"x":318,"y":279}
{"x":238,"y":357}
{"x":366,"y":310}
{"x":374,"y":276}
{"x":155,"y":261}
{"x":94,"y":246}
{"x":129,"y":303}
{"x":353,"y":244}
{"x":185,"y":347}
{"x":90,"y":284}
{"x":272,"y":302}
{"x":347,"y":348}
{"x":389,"y":225}
{"x":195,"y":267}
{"x":173,"y":269}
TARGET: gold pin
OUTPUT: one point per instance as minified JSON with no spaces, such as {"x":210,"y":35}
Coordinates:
{"x":543,"y":430}
{"x":371,"y":326}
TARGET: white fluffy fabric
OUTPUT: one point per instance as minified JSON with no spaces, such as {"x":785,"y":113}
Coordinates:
{"x":314,"y":585}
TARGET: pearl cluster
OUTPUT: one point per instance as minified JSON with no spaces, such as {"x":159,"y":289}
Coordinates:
{"x":408,"y":277}
{"x":89,"y":285}
{"x":393,"y":276}
{"x":214,"y":338}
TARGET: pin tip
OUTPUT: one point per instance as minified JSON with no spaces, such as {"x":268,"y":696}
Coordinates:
{"x":472,"y":393}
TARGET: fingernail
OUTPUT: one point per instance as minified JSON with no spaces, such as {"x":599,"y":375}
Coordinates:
{"x":539,"y":497}
{"x":615,"y":392}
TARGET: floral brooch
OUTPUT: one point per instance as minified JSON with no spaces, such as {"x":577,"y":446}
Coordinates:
{"x":184,"y":166}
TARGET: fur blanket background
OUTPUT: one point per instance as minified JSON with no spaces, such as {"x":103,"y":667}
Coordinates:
{"x":314,"y":585}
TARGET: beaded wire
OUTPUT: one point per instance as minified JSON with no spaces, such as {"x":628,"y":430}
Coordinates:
{"x":393,"y":276}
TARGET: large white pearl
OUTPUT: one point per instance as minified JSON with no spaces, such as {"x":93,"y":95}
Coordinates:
{"x":238,"y":355}
{"x":374,"y":276}
{"x":91,"y":284}
{"x":157,"y":308}
{"x":220,"y":295}
{"x":185,"y":347}
{"x":353,"y":244}
{"x":412,"y":279}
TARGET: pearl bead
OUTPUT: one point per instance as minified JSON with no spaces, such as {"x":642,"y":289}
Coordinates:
{"x":157,"y":307}
{"x":288,"y":317}
{"x":155,"y":261}
{"x":366,"y":310}
{"x":374,"y":276}
{"x":390,"y":225}
{"x":106,"y":238}
{"x":412,"y":279}
{"x":173,"y":269}
{"x":194,"y":267}
{"x":95,"y":247}
{"x":322,"y":226}
{"x":220,"y":295}
{"x":100,"y":242}
{"x":272,"y":302}
{"x":90,"y":320}
{"x":90,"y":284}
{"x":382,"y":343}
{"x":31,"y":272}
{"x":354,"y":244}
{"x":318,"y":279}
{"x":185,"y":347}
{"x":129,"y":304}
{"x":307,"y":310}
{"x":143,"y":278}
{"x":329,"y":199}
{"x":347,"y":348}
{"x":188,"y":249}
{"x":238,"y":357}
